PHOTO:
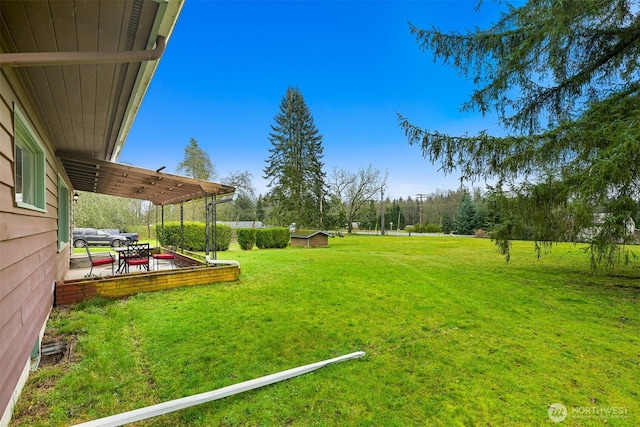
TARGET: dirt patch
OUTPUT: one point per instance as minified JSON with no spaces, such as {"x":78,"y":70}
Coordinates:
{"x":51,"y":359}
{"x":58,"y":349}
{"x":62,"y":350}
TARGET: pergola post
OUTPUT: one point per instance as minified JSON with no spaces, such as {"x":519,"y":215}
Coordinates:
{"x":155,"y":208}
{"x":162,"y":242}
{"x":182,"y":226}
{"x":206,"y":225}
{"x":215,"y":227}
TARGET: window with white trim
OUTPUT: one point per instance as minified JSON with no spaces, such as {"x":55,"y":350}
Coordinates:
{"x":29,"y":166}
{"x":63,"y":213}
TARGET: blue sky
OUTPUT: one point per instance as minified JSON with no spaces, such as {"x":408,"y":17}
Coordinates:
{"x":229,"y":63}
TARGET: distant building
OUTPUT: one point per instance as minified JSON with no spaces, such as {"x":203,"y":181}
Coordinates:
{"x":588,"y":233}
{"x":242,"y":224}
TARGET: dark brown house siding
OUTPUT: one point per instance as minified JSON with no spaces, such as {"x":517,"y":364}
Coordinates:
{"x":30,"y":260}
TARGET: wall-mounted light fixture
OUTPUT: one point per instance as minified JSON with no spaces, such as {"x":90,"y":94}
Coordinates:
{"x":76,"y":196}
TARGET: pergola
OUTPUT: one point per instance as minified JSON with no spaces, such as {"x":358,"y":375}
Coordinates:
{"x":117,"y":179}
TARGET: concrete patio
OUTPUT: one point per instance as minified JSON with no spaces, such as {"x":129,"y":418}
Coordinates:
{"x":79,"y":266}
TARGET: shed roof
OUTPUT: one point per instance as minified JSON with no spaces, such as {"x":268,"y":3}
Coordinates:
{"x":308,"y":235}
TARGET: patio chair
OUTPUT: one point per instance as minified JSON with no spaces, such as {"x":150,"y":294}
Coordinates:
{"x":138,"y":254}
{"x":166,"y":256}
{"x":102,"y":259}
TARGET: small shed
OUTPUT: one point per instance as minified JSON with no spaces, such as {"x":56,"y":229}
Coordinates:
{"x":311,"y":239}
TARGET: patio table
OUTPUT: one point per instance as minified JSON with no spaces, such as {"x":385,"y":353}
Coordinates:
{"x":133,"y":254}
{"x":122,"y":258}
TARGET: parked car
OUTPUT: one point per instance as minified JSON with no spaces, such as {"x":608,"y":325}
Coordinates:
{"x":93,"y":237}
{"x":133,"y":237}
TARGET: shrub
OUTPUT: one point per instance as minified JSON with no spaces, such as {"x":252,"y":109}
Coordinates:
{"x":194,"y":235}
{"x":170,"y":235}
{"x":281,"y":237}
{"x":267,"y":238}
{"x":480,"y":233}
{"x":223,"y":237}
{"x":433,"y":228}
{"x":246,"y":238}
{"x":264,"y":238}
{"x":417,"y":228}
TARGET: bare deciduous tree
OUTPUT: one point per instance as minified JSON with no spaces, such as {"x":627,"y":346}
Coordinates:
{"x":354,"y":190}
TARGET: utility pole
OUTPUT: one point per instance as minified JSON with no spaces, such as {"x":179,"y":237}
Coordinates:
{"x":420,"y":196}
{"x":382,"y":211}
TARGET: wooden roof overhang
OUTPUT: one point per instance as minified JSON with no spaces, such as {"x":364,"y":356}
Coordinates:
{"x":117,"y":179}
{"x":85,"y":67}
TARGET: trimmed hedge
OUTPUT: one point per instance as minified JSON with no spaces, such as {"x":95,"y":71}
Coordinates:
{"x":223,"y":237}
{"x":194,"y":235}
{"x":264,"y":238}
{"x":267,"y":238}
{"x":246,"y":238}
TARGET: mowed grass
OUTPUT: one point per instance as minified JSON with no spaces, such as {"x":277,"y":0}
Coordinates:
{"x":453,"y":335}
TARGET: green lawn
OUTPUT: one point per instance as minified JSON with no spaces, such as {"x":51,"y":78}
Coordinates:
{"x":453,"y":336}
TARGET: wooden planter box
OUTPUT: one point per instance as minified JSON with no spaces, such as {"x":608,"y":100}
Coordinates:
{"x":73,"y":291}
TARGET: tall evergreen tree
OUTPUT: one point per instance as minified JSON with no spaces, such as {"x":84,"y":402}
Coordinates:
{"x":448,"y":224}
{"x":467,"y":216}
{"x":294,"y":168}
{"x":564,"y":78}
{"x":196,"y":163}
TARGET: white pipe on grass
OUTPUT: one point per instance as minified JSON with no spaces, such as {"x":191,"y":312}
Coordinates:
{"x":221,"y":261}
{"x":197,"y":399}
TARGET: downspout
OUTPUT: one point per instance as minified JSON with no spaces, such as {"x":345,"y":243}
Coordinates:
{"x":33,"y":59}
